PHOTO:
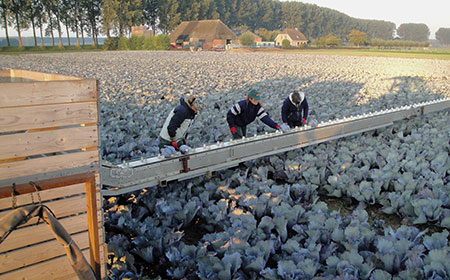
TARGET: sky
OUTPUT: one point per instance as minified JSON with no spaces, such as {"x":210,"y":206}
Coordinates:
{"x":434,"y":13}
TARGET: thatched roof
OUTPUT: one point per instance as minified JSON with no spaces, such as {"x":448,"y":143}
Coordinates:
{"x":207,"y":30}
{"x":294,"y":34}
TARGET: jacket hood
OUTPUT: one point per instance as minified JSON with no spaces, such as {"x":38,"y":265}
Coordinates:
{"x":302,"y":97}
{"x":186,"y":104}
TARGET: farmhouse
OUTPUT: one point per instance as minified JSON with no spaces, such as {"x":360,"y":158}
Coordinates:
{"x":293,"y":35}
{"x":207,"y":34}
{"x":256,"y":38}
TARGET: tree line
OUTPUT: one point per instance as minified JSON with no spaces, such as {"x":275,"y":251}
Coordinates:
{"x":48,"y":17}
{"x":115,"y":18}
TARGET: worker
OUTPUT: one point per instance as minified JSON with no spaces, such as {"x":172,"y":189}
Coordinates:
{"x":294,"y":111}
{"x":175,"y":129}
{"x":244,"y":112}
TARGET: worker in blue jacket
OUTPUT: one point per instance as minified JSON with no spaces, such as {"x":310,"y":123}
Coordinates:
{"x":175,"y":128}
{"x":244,"y":112}
{"x":294,"y":111}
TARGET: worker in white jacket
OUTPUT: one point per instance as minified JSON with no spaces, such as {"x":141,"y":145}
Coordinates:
{"x":174,"y":131}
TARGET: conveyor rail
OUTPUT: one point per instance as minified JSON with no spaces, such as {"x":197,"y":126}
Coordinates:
{"x":206,"y":160}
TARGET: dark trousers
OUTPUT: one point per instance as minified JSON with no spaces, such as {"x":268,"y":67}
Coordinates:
{"x":163,"y":143}
{"x":295,"y":124}
{"x":240,"y":132}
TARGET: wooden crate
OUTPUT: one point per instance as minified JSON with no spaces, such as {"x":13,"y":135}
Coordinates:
{"x":49,"y":136}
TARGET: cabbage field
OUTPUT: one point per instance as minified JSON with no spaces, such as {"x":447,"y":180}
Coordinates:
{"x":322,"y":212}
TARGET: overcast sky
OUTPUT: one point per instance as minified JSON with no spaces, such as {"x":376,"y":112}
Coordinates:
{"x":434,"y":13}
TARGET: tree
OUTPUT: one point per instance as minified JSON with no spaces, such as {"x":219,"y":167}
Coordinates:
{"x":329,"y":40}
{"x":18,"y":9}
{"x":67,"y":8}
{"x":247,"y":38}
{"x":285,"y":44}
{"x":208,"y":10}
{"x":413,"y":32}
{"x":247,"y":14}
{"x":109,"y":16}
{"x":48,"y":6}
{"x":169,"y":17}
{"x":93,"y":13}
{"x":357,"y":37}
{"x":332,"y":40}
{"x":31,"y":16}
{"x":129,"y":13}
{"x":56,"y":9}
{"x":37,"y":17}
{"x":242,"y":28}
{"x":266,"y":34}
{"x":150,"y":12}
{"x":4,"y":11}
{"x":80,"y":14}
{"x":443,"y":35}
{"x":76,"y":10}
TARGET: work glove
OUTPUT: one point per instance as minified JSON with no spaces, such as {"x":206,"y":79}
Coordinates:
{"x":284,"y":127}
{"x":167,"y":151}
{"x":313,"y":123}
{"x":175,"y":145}
{"x":233,"y":130}
{"x":184,"y":149}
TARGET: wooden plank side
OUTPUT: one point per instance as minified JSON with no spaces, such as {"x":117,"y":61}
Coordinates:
{"x":48,"y":184}
{"x":23,"y":118}
{"x":39,"y":76}
{"x":91,"y":207}
{"x":38,"y":253}
{"x":47,"y":164}
{"x":44,"y":142}
{"x":40,"y":233}
{"x":46,"y":195}
{"x":45,"y":93}
{"x":56,"y":269}
{"x":61,"y":208}
{"x":5,"y":73}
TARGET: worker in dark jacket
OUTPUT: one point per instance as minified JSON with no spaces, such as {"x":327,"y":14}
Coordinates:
{"x":178,"y":122}
{"x":294,"y":111}
{"x":244,"y":112}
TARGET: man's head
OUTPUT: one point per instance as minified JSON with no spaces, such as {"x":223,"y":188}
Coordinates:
{"x":195,"y":103}
{"x":254,"y":96}
{"x":297,"y":97}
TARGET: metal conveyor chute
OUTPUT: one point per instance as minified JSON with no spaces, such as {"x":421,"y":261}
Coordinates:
{"x":135,"y":175}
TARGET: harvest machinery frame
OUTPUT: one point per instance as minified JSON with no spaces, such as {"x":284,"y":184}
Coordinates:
{"x":158,"y":171}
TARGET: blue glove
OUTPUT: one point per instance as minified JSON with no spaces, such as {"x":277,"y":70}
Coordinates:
{"x":184,"y":149}
{"x":167,"y":151}
{"x":284,"y":127}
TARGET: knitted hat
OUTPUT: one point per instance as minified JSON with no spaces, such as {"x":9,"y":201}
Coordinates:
{"x":196,"y":102}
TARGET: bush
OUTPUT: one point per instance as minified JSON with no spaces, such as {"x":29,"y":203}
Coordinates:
{"x":136,"y":43}
{"x":71,"y":47}
{"x":123,"y":44}
{"x":149,"y":43}
{"x":286,"y":44}
{"x":162,"y":42}
{"x":246,"y":38}
{"x":111,"y":43}
{"x":332,"y":40}
{"x":397,"y":43}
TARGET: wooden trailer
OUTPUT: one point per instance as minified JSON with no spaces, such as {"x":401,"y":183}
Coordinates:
{"x":48,"y":142}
